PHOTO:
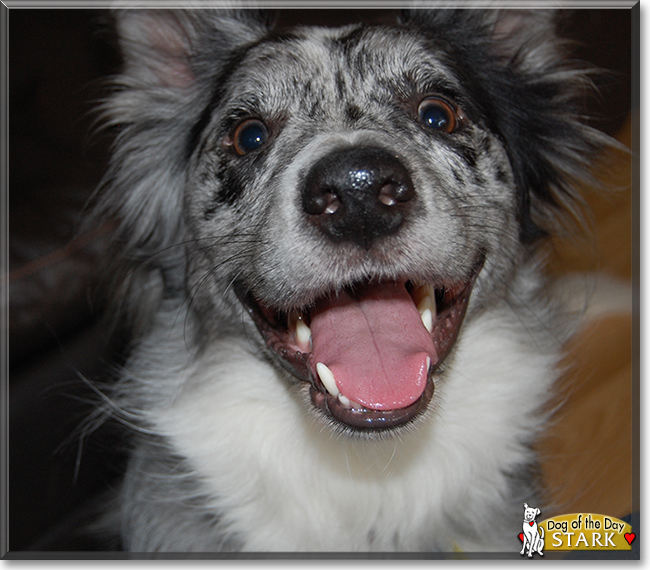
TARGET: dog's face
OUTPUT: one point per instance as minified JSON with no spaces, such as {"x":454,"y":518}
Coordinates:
{"x":362,"y":188}
{"x":349,"y":195}
{"x":530,"y":513}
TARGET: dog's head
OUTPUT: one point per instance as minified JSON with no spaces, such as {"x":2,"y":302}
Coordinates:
{"x":530,"y":513}
{"x":346,"y":190}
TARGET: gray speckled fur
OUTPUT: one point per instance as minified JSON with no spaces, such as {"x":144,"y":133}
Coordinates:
{"x":215,"y":416}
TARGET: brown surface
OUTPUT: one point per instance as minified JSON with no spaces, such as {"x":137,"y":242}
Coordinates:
{"x":587,"y":452}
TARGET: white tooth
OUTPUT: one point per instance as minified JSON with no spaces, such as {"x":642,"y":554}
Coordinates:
{"x":429,"y":302}
{"x":327,"y":378}
{"x":427,"y":319}
{"x":425,"y":298}
{"x":303,"y":335}
{"x":349,"y":404}
{"x":428,"y":363}
{"x":300,"y":331}
{"x":344,"y":401}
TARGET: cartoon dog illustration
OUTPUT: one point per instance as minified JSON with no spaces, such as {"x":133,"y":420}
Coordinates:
{"x":531,"y":535}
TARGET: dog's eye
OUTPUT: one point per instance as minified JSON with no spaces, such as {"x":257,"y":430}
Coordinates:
{"x":438,"y":115}
{"x":248,"y":136}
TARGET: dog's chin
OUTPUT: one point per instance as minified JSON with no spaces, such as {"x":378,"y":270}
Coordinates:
{"x":288,"y":335}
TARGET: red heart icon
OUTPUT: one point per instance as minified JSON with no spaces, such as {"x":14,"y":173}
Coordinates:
{"x":521,"y":536}
{"x":531,"y":523}
{"x":630,"y":536}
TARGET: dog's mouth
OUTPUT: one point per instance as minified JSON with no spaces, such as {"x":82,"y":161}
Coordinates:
{"x":370,"y":351}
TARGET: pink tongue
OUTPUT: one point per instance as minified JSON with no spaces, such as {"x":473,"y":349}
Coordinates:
{"x":375,"y":344}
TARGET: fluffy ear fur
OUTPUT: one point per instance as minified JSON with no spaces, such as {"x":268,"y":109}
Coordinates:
{"x":516,"y":67}
{"x":175,"y":48}
{"x":172,"y":62}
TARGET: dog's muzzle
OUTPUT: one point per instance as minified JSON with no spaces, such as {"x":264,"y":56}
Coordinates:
{"x":369,"y":349}
{"x":358,"y":195}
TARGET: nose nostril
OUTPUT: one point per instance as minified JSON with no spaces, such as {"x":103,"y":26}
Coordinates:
{"x":324,"y":202}
{"x":392,"y":193}
{"x":387,"y":194}
{"x":333,"y":203}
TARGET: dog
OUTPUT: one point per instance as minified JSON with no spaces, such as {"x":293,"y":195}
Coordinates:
{"x":532,"y":537}
{"x":327,"y":257}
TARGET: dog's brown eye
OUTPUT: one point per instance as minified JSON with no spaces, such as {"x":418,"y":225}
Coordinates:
{"x":249,"y":135}
{"x":438,"y":115}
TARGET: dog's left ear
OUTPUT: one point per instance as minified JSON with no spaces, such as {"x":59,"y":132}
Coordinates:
{"x":519,"y":37}
{"x":527,"y":37}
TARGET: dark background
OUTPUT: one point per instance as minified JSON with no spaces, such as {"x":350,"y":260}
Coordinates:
{"x":58,"y":59}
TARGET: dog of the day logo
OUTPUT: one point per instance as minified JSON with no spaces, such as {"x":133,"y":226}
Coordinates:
{"x":577,"y":531}
{"x":531,"y":536}
{"x":587,"y":531}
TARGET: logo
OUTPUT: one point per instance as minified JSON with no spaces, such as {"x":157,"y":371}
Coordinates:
{"x":531,"y":536}
{"x":577,"y":531}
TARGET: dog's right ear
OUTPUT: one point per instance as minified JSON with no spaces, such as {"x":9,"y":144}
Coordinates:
{"x":172,"y":60}
{"x":171,"y":48}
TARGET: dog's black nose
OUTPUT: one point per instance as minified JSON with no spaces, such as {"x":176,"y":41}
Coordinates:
{"x":358,"y":195}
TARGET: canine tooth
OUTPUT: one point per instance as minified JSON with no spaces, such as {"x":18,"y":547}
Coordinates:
{"x":327,"y":378}
{"x":427,"y":319}
{"x":301,"y":332}
{"x":428,"y":362}
{"x":428,"y":303}
{"x":303,"y":335}
{"x":425,"y":298}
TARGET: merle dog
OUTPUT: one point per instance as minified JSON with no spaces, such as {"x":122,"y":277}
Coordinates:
{"x":342,"y":340}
